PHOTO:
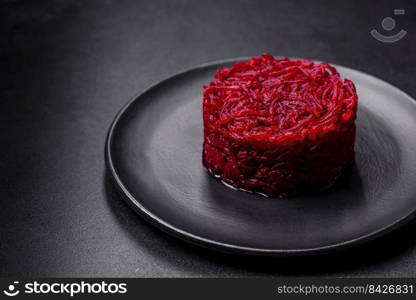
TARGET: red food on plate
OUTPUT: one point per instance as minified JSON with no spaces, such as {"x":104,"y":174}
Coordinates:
{"x":278,"y":126}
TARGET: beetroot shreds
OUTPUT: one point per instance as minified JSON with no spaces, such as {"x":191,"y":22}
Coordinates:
{"x":278,"y":126}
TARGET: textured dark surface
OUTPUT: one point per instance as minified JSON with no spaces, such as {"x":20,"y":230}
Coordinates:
{"x":68,"y":66}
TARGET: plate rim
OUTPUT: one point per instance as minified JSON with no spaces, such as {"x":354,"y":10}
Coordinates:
{"x":226,"y":247}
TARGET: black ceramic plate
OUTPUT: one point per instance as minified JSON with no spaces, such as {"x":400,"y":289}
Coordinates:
{"x":153,"y":153}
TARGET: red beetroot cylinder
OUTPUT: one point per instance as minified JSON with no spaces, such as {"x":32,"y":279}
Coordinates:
{"x":278,"y":126}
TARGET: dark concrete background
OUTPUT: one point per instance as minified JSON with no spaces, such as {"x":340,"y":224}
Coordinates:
{"x":67,"y":67}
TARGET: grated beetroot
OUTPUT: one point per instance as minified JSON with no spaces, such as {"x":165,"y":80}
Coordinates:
{"x":278,"y":126}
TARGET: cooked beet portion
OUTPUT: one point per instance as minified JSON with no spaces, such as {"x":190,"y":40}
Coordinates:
{"x":278,"y":126}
